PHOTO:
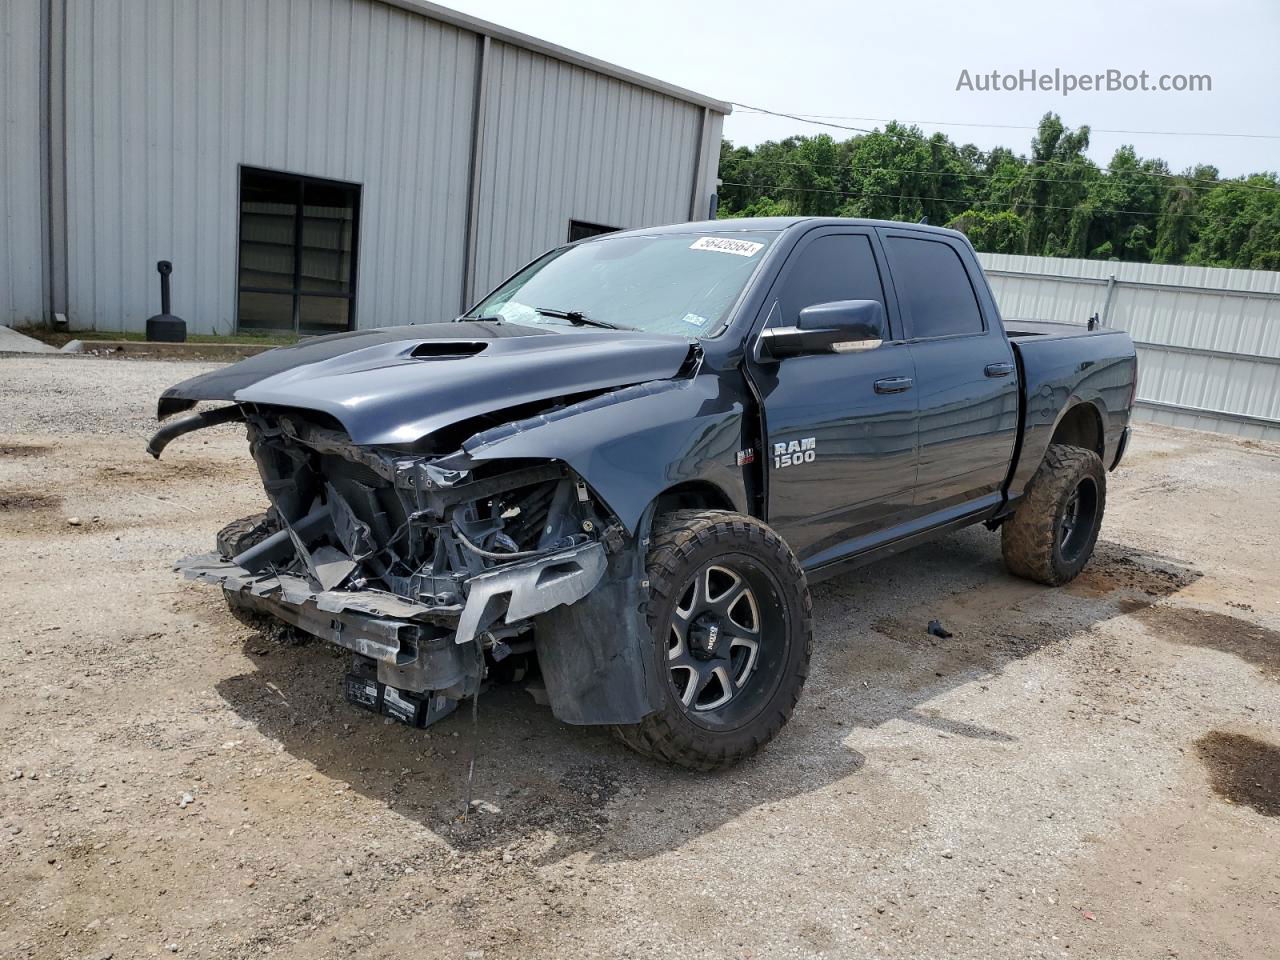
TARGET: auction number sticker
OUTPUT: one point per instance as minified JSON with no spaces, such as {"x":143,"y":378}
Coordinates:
{"x":739,"y":248}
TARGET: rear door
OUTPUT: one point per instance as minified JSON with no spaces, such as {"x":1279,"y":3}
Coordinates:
{"x":966,"y":379}
{"x":841,"y":451}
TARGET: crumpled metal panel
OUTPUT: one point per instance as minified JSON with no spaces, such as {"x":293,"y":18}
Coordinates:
{"x":210,"y":568}
{"x":382,"y":395}
{"x":534,"y":587}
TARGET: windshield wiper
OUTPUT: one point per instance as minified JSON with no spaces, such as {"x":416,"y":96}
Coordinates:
{"x":579,"y":319}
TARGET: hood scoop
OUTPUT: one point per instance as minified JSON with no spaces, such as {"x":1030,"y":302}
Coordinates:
{"x":447,"y":349}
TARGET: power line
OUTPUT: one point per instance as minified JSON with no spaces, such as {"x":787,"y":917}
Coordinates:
{"x":948,"y":143}
{"x":967,"y":203}
{"x":811,"y":117}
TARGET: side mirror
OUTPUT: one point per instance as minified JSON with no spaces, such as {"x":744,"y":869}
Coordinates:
{"x":843,"y":326}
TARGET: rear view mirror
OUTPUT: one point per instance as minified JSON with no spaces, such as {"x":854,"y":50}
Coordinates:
{"x":843,"y":326}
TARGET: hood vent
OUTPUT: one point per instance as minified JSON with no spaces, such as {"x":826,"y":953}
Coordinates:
{"x":447,"y":349}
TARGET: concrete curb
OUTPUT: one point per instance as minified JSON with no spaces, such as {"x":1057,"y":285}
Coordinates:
{"x":147,"y":350}
{"x":11,"y":341}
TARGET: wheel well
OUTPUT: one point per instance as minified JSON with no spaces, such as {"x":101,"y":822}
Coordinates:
{"x":1081,"y":426}
{"x":694,"y":495}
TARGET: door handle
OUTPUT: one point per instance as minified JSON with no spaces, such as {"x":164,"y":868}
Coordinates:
{"x":893,"y":385}
{"x":999,"y":369}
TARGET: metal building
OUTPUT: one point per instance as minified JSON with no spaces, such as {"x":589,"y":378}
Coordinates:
{"x":1208,"y":338}
{"x":313,"y":164}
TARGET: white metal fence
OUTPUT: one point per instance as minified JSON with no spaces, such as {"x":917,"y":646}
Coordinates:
{"x":1208,"y":338}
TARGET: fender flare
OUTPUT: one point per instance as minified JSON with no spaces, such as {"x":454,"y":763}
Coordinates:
{"x":596,"y":654}
{"x":1096,"y":405}
{"x":1037,"y":437}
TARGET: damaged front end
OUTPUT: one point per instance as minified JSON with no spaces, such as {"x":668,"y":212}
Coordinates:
{"x":424,"y":566}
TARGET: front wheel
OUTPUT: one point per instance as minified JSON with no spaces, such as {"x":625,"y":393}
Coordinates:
{"x":1051,"y":535}
{"x":239,"y":535}
{"x":731,"y":623}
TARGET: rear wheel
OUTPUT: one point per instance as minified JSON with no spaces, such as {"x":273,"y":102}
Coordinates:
{"x":731,"y":625}
{"x":1051,"y":535}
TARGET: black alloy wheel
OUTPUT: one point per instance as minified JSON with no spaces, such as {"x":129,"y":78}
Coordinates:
{"x":732,"y":626}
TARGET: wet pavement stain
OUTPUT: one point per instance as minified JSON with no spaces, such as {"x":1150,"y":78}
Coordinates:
{"x":1243,"y":770}
{"x":1211,"y":630}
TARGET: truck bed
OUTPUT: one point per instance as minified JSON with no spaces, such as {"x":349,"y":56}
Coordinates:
{"x":1051,"y":330}
{"x":1062,"y":364}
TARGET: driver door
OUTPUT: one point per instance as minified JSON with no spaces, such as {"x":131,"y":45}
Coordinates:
{"x":842,"y":447}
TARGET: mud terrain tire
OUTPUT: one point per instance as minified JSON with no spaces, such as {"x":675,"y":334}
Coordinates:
{"x":235,"y":538}
{"x":239,"y":535}
{"x":692,"y":554}
{"x":1051,"y":536}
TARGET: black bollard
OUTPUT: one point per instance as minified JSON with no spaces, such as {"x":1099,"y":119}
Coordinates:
{"x":164,"y":327}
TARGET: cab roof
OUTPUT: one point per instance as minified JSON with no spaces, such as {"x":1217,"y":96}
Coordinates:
{"x":774,"y":224}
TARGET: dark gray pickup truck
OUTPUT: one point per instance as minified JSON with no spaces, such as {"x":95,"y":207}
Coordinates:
{"x":627,"y":464}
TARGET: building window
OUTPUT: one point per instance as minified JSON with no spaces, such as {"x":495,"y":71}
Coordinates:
{"x":580,"y":230}
{"x":297,"y":253}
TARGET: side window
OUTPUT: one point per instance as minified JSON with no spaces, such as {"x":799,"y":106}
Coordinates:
{"x":933,"y":288}
{"x":837,"y":266}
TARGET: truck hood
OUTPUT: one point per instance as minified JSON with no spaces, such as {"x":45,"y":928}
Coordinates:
{"x":395,"y":385}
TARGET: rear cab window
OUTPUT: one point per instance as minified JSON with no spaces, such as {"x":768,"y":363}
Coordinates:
{"x":933,"y":287}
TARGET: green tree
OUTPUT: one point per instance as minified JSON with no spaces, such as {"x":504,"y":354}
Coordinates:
{"x":1178,"y":226}
{"x":1240,"y":225}
{"x":1053,"y":183}
{"x":1053,"y":202}
{"x":1001,"y":232}
{"x":902,"y":175}
{"x":1122,"y":208}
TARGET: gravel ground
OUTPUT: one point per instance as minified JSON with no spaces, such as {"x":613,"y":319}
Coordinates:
{"x":1092,"y":771}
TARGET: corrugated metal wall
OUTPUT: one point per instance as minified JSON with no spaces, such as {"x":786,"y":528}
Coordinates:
{"x":562,"y":143}
{"x":22,"y":240}
{"x":166,"y":99}
{"x":1208,"y":338}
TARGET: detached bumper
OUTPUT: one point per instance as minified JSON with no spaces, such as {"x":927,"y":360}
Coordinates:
{"x":369,"y":622}
{"x":421,"y":643}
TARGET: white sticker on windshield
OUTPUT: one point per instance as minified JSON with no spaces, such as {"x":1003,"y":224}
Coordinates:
{"x":740,"y":248}
{"x":694,"y":319}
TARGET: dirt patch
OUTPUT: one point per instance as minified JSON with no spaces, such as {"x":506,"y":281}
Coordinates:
{"x":25,"y":515}
{"x":24,"y":502}
{"x":1114,"y":568}
{"x":990,"y":799}
{"x":573,"y":809}
{"x":16,"y":451}
{"x":1009,"y":617}
{"x":1250,"y":642}
{"x":1243,"y":770}
{"x":197,"y":469}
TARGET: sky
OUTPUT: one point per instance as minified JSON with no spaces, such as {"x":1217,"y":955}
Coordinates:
{"x":905,"y":59}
